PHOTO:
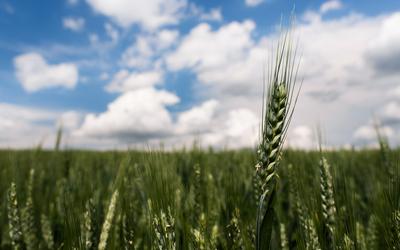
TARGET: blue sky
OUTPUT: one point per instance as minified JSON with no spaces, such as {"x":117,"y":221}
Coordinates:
{"x":133,"y":73}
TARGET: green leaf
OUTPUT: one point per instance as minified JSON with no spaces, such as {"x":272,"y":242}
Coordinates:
{"x":265,"y":219}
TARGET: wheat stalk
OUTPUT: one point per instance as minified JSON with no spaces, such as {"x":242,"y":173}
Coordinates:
{"x":105,"y":231}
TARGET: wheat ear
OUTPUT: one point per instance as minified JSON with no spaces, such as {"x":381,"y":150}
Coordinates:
{"x":327,"y":198}
{"x":277,"y":113}
{"x":14,"y":221}
{"x":28,"y":218}
{"x":105,"y":231}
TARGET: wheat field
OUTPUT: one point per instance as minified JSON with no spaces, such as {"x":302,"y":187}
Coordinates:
{"x":196,"y":200}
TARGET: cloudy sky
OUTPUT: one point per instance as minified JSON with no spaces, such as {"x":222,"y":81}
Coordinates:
{"x":139,"y":73}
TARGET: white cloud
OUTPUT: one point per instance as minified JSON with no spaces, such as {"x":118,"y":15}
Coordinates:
{"x":253,"y":3}
{"x":241,"y":128}
{"x":330,"y":5}
{"x":213,"y":15}
{"x":213,"y":48}
{"x":141,"y":116}
{"x":341,"y":85}
{"x":125,"y":81}
{"x":150,"y":14}
{"x":74,"y":23}
{"x":301,"y":137}
{"x":135,"y":116}
{"x":112,"y":32}
{"x":17,"y":123}
{"x":147,"y":46}
{"x":368,"y":132}
{"x":207,"y":124}
{"x":384,"y":50}
{"x":197,"y":119}
{"x":391,"y":111}
{"x":69,"y":120}
{"x":35,"y":74}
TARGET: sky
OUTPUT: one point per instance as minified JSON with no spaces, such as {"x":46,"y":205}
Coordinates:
{"x":137,"y":74}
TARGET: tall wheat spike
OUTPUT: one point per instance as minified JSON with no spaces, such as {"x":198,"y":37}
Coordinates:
{"x":105,"y":231}
{"x":90,"y":226}
{"x":234,"y":232}
{"x":214,"y":237}
{"x":197,"y":192}
{"x":327,"y":198}
{"x":348,"y":243}
{"x":14,"y":221}
{"x":360,"y":233}
{"x":277,"y":112}
{"x":47,"y":232}
{"x":28,"y":218}
{"x":128,"y":234}
{"x":199,"y":237}
{"x":372,"y":233}
{"x":164,"y":226}
{"x":395,"y":230}
{"x":312,"y":242}
{"x":284,"y":240}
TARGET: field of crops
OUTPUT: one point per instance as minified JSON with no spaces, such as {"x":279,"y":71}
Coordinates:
{"x":196,"y":200}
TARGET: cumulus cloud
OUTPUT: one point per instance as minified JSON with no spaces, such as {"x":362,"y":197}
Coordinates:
{"x":69,"y":120}
{"x":384,"y":50}
{"x":301,"y":137}
{"x":135,"y":115}
{"x":212,"y":47}
{"x":391,"y":112}
{"x":141,"y":117}
{"x":17,"y":123}
{"x":125,"y":81}
{"x":253,"y":3}
{"x":150,"y":14}
{"x":34,"y":73}
{"x":214,"y":15}
{"x":147,"y":46}
{"x":241,"y":128}
{"x":341,"y":85}
{"x":198,"y":12}
{"x":369,"y":133}
{"x":112,"y":32}
{"x":330,"y":6}
{"x":197,"y":119}
{"x":74,"y":23}
{"x":227,"y":59}
{"x":208,"y":125}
